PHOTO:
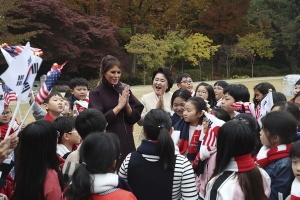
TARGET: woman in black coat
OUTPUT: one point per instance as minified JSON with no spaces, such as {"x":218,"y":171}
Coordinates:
{"x":120,"y":107}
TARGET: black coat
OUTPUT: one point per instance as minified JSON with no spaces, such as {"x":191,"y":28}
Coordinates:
{"x":105,"y":98}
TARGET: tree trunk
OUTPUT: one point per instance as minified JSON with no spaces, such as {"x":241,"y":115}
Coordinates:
{"x":133,"y":66}
{"x":182,"y":65}
{"x":144,"y":71}
{"x":293,"y":60}
{"x":199,"y":64}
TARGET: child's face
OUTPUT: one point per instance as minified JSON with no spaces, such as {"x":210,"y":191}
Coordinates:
{"x":227,"y":100}
{"x":74,"y":137}
{"x":55,"y":104}
{"x":264,"y":138}
{"x":297,"y":102}
{"x":296,"y":89}
{"x":296,"y":167}
{"x":190,"y":114}
{"x":5,"y":116}
{"x":186,"y":84}
{"x":178,"y":106}
{"x":218,"y":92}
{"x":80,"y":92}
{"x":67,"y":108}
{"x":258,"y":95}
{"x":202,"y":92}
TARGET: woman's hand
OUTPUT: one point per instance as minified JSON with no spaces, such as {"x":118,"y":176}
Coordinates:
{"x":124,"y":98}
{"x":160,"y":103}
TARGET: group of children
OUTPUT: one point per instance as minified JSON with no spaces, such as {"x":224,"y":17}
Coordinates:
{"x":211,"y":147}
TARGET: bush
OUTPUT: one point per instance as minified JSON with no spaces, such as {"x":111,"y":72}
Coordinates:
{"x":61,"y":88}
{"x":239,"y":77}
{"x":132,"y":80}
{"x":93,"y":83}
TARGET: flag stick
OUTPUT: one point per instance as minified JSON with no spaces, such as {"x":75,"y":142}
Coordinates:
{"x":23,"y":121}
{"x":13,"y":118}
{"x":20,"y":127}
{"x":20,"y":115}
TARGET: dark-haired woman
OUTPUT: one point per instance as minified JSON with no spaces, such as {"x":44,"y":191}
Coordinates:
{"x":37,"y":172}
{"x":120,"y":107}
{"x":236,"y":176}
{"x":154,"y":171}
{"x":162,"y":82}
{"x":95,"y":177}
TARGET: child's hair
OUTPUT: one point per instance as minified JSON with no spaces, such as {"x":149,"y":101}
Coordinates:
{"x":295,"y":149}
{"x":53,"y":93}
{"x":183,"y":94}
{"x":223,"y":84}
{"x":157,"y":125}
{"x":221,"y":114}
{"x":78,"y":82}
{"x":68,"y":100}
{"x":211,"y":94}
{"x":167,"y":73}
{"x":288,"y":107}
{"x":63,"y":125}
{"x":278,"y":96}
{"x":236,"y":139}
{"x":98,"y":152}
{"x":68,"y":94}
{"x":182,"y":75}
{"x":90,"y":120}
{"x":263,"y":88}
{"x":107,"y":63}
{"x":298,"y":82}
{"x":36,"y":154}
{"x":199,"y":104}
{"x":250,"y":121}
{"x":238,"y":91}
{"x":282,"y":124}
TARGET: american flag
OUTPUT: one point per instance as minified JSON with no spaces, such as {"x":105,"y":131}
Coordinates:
{"x":9,"y":95}
{"x":47,"y":86}
{"x":16,"y":50}
{"x":55,"y":66}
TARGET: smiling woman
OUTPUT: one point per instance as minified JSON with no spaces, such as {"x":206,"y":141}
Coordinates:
{"x":162,"y":82}
{"x":116,"y":101}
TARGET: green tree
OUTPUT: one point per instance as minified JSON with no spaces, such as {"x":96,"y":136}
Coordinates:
{"x":178,"y":47}
{"x":257,"y":45}
{"x":199,"y":49}
{"x":281,"y":21}
{"x":150,"y":52}
{"x":9,"y":23}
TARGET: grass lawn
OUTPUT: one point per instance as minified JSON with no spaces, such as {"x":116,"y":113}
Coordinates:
{"x":139,"y":91}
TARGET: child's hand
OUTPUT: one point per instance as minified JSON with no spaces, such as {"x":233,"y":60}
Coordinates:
{"x":23,"y":126}
{"x":7,"y":146}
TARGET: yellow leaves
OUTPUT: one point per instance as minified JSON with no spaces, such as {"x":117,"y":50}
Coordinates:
{"x":199,"y":48}
{"x":257,"y":45}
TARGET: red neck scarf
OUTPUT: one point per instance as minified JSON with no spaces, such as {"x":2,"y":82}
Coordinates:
{"x":242,"y":163}
{"x":266,"y":155}
{"x":48,"y":117}
{"x":184,"y":145}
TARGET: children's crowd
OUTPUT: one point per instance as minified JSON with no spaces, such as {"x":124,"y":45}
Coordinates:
{"x":210,"y":143}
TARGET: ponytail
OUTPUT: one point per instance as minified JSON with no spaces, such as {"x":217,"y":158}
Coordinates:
{"x":165,"y":148}
{"x":80,"y":188}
